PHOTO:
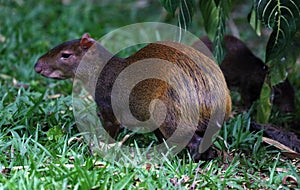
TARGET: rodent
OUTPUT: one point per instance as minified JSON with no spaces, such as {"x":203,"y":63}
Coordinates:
{"x":246,"y":73}
{"x":61,"y":63}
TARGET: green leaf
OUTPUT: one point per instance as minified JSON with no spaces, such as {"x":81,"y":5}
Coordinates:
{"x":255,"y":23}
{"x":55,"y":133}
{"x":170,"y":5}
{"x":122,"y":184}
{"x":282,"y":16}
{"x":219,"y":50}
{"x":210,"y":16}
{"x":226,"y":6}
{"x":287,"y":57}
{"x":214,"y":15}
{"x":264,"y":105}
{"x":186,"y":11}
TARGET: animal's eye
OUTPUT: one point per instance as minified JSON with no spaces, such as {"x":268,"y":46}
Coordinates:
{"x":66,"y":55}
{"x":265,"y":68}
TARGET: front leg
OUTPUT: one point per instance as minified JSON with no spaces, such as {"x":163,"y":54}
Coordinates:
{"x":194,"y":150}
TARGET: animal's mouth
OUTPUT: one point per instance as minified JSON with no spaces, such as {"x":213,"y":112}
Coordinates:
{"x":56,"y":74}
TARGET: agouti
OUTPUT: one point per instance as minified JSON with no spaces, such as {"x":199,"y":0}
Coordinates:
{"x":211,"y":89}
{"x":245,"y":73}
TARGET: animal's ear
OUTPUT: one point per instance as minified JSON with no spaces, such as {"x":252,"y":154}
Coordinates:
{"x":86,"y":41}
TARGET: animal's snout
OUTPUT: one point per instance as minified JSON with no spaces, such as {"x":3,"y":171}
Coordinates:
{"x":37,"y":68}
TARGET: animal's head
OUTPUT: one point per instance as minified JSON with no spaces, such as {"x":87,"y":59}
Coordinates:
{"x":62,"y":61}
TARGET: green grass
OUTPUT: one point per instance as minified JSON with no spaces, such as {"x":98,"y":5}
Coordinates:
{"x":40,"y":145}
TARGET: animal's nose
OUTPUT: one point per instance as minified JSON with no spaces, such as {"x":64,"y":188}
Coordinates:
{"x":37,"y":68}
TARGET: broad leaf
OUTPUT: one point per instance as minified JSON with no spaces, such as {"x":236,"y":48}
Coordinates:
{"x":210,"y":16}
{"x":226,"y":5}
{"x":264,"y":105}
{"x":287,"y":57}
{"x":253,"y":20}
{"x":282,"y":16}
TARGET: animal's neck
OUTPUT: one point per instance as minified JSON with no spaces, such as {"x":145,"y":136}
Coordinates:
{"x":102,"y":53}
{"x":92,"y":64}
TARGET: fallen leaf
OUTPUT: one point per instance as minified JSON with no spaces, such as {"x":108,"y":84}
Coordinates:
{"x":285,"y":150}
{"x":290,"y":181}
